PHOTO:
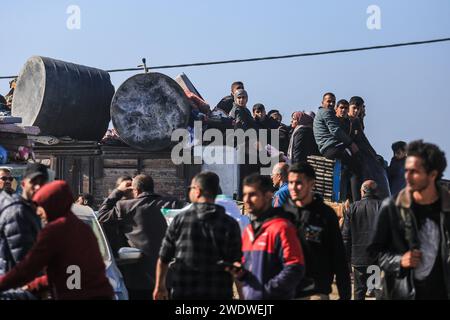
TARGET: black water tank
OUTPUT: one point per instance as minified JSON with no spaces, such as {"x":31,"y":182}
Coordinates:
{"x":64,"y":99}
{"x":147,"y":108}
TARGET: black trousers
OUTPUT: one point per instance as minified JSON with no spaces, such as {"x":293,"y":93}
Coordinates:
{"x":352,"y":162}
{"x":360,"y":277}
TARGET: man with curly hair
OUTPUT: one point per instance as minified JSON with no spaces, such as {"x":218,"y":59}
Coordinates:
{"x":411,"y":237}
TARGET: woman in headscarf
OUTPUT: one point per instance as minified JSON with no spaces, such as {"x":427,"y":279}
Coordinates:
{"x":240,"y":113}
{"x":302,"y":143}
{"x":66,"y":248}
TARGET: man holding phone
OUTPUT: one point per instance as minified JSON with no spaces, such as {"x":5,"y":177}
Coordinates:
{"x":273,"y":263}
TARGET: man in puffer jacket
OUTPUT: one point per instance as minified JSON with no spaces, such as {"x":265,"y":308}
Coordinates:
{"x":64,"y":247}
{"x":19,"y":224}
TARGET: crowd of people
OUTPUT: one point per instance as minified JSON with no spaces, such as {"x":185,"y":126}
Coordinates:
{"x":335,"y":131}
{"x":292,"y":246}
{"x":289,"y":244}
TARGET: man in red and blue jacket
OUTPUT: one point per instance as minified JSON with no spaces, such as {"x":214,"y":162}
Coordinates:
{"x":272,"y":263}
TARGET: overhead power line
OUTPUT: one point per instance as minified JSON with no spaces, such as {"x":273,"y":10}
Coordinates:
{"x":289,"y":56}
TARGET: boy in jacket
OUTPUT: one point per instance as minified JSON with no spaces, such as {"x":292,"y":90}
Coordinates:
{"x":272,"y":256}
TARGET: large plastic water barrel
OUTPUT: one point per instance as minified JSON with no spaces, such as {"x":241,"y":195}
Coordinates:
{"x":147,"y":108}
{"x":63,"y":99}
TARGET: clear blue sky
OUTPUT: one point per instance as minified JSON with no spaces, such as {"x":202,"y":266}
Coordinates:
{"x":406,"y":89}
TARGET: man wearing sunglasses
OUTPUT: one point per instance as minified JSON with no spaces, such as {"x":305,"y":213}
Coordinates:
{"x":6,"y":181}
{"x":19,"y":224}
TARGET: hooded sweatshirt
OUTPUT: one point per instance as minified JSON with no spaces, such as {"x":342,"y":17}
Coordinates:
{"x":67,"y":248}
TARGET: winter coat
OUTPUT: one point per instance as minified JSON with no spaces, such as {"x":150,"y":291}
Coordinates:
{"x":226,"y":104}
{"x":372,"y":167}
{"x":318,"y":229}
{"x":140,"y":224}
{"x":266,"y":126}
{"x":273,"y":259}
{"x":243,"y":117}
{"x":393,"y":238}
{"x":358,"y":230}
{"x":303,"y":145}
{"x":359,"y":137}
{"x":327,"y":130}
{"x":19,"y":228}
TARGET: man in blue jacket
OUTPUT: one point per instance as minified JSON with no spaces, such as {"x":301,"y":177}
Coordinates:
{"x":280,"y":180}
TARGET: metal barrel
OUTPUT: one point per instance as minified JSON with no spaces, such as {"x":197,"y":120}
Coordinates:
{"x":147,"y":108}
{"x":63,"y":99}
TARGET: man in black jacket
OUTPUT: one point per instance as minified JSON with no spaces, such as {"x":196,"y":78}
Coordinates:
{"x":411,"y":237}
{"x":372,"y":165}
{"x":140,"y":225}
{"x":320,"y":237}
{"x":19,"y":224}
{"x":263,"y":121}
{"x":341,"y":110}
{"x":357,"y":232}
